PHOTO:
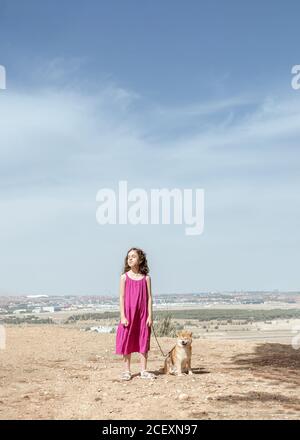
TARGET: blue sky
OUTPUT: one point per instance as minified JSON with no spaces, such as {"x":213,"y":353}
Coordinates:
{"x":163,"y":95}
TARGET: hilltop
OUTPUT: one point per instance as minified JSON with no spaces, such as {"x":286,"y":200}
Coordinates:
{"x":57,"y":372}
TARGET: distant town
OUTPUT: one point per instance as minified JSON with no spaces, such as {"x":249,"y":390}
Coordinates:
{"x":247,"y":315}
{"x":44,"y":304}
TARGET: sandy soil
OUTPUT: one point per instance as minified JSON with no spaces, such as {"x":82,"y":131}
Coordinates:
{"x":52,"y":372}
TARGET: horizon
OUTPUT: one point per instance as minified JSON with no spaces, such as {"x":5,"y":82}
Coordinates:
{"x":224,"y":292}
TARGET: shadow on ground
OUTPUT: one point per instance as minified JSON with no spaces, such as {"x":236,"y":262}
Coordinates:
{"x":253,"y":397}
{"x":278,"y":362}
{"x":194,"y":370}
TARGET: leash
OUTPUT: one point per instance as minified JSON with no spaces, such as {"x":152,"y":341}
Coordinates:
{"x":164,"y":355}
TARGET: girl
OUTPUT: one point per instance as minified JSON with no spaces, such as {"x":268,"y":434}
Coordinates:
{"x":134,"y":329}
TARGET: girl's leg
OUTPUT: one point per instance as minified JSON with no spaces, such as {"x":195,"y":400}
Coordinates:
{"x":143,"y":359}
{"x":144,"y":373}
{"x":127,"y":358}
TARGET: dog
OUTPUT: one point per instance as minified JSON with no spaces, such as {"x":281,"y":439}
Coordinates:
{"x":178,"y":360}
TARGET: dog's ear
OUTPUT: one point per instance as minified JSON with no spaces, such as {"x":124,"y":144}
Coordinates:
{"x":191,"y":334}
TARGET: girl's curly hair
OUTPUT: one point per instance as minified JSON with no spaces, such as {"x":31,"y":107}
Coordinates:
{"x":143,"y":264}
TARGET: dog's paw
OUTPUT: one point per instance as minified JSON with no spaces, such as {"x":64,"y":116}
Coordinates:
{"x":190,"y":372}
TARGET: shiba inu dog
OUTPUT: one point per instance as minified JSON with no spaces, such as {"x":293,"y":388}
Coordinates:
{"x":179,"y":359}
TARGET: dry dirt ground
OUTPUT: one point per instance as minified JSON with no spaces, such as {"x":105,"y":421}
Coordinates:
{"x":56,"y":372}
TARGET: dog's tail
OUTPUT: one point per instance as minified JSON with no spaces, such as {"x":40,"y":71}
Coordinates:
{"x":164,"y":368}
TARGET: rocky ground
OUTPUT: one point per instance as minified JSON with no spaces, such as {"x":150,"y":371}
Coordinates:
{"x":56,"y":372}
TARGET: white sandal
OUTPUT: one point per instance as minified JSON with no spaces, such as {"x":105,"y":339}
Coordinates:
{"x":126,"y":375}
{"x":147,"y":375}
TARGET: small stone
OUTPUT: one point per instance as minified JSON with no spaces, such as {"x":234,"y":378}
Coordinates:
{"x":183,"y":396}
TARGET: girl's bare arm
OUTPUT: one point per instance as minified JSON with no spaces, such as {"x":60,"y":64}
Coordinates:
{"x":122,"y":295}
{"x":150,"y":311}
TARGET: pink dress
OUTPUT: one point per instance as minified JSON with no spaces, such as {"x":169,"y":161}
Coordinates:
{"x":136,"y":336}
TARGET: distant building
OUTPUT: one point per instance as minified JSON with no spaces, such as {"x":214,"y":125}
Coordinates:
{"x":49,"y":309}
{"x":101,"y":329}
{"x":18,"y":311}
